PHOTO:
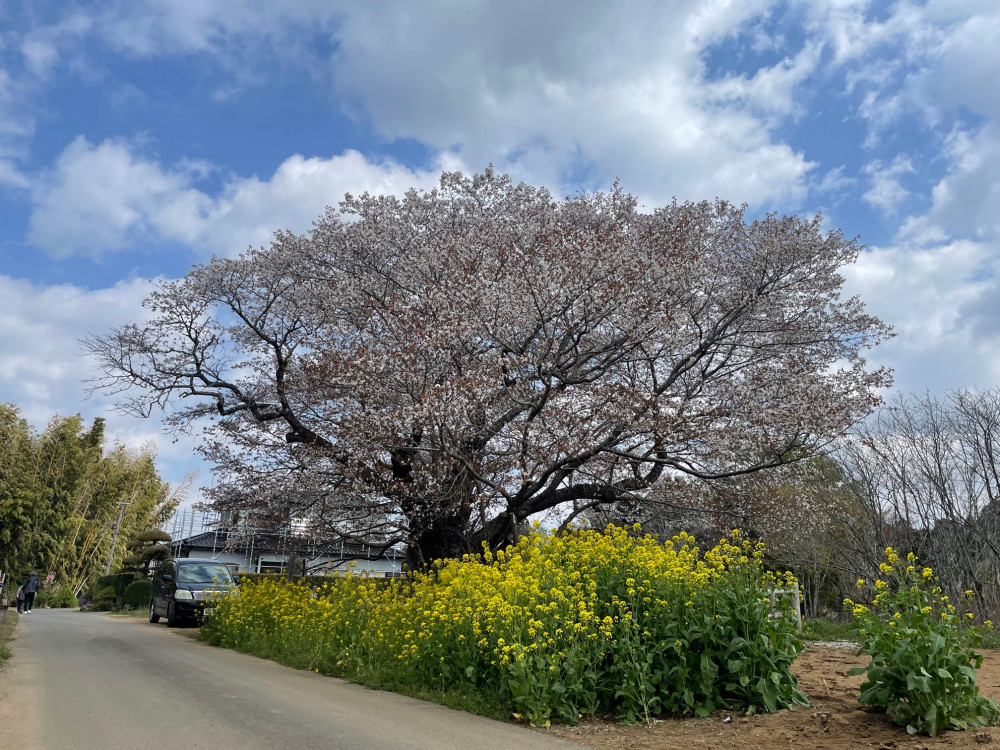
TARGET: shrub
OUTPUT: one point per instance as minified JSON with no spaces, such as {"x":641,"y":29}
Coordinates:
{"x":922,"y":671}
{"x":138,"y":594}
{"x":56,"y":595}
{"x":557,"y":626}
{"x":822,"y":629}
{"x":105,"y":600}
{"x":118,"y":581}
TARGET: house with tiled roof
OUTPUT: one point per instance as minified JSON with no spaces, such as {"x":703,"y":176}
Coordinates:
{"x":272,"y":552}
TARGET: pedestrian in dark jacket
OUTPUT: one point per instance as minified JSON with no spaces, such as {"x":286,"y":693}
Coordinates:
{"x":30,"y":589}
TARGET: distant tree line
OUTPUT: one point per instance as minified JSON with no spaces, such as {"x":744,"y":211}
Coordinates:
{"x":922,"y":475}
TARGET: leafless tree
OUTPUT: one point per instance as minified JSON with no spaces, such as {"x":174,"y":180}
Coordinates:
{"x":436,"y":369}
{"x":926,"y":475}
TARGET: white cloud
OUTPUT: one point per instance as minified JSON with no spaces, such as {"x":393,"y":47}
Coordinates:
{"x":835,"y":182}
{"x":546,"y":94}
{"x":626,"y":99}
{"x":107,"y":197}
{"x":17,"y":125}
{"x":38,"y":50}
{"x":962,"y":67}
{"x":102,"y":198}
{"x":965,"y":201}
{"x":772,"y":91}
{"x":40,"y":56}
{"x":232,"y":32}
{"x":886,"y":190}
{"x":39,"y":331}
{"x":41,"y":47}
{"x":250,"y":210}
{"x":43,"y":368}
{"x":930,"y":60}
{"x":926,"y":293}
{"x":11,"y":176}
{"x":540,"y":92}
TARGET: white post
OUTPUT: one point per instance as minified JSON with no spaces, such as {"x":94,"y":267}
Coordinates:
{"x":797,"y":601}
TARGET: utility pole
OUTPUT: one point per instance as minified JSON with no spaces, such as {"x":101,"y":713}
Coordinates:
{"x":114,"y":539}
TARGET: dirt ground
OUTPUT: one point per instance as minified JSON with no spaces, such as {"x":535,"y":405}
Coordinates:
{"x":834,"y":720}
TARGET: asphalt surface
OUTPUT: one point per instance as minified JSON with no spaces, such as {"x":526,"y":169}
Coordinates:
{"x":82,"y":681}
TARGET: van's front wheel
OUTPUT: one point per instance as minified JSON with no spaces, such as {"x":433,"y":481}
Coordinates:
{"x":171,"y":618}
{"x":153,"y":617}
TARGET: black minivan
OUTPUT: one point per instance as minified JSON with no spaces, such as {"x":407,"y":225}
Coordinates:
{"x":181,"y":585}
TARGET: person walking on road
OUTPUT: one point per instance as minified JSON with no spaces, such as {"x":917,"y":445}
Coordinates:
{"x":30,"y":588}
{"x":20,"y":598}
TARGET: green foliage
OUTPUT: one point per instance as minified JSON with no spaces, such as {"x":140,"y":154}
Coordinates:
{"x":584,"y":623}
{"x":923,"y":666}
{"x":822,"y":629}
{"x":145,"y":547}
{"x":56,"y":595}
{"x":59,"y":496}
{"x":105,"y":600}
{"x":117,"y":581}
{"x":7,"y":633}
{"x":311,"y":580}
{"x":138,"y":594}
{"x":987,"y":638}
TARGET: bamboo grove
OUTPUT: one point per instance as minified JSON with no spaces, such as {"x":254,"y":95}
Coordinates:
{"x":60,"y":491}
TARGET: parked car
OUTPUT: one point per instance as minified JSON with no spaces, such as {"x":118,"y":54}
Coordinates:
{"x":181,"y":586}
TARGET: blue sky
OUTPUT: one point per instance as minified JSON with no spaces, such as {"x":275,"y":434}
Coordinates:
{"x":138,"y":138}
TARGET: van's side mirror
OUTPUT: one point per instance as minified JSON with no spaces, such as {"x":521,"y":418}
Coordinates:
{"x":167,"y":578}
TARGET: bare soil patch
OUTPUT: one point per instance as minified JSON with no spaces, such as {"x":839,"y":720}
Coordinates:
{"x":834,"y":720}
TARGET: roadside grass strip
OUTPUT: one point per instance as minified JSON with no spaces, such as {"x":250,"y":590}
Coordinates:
{"x":7,"y":634}
{"x":554,"y":628}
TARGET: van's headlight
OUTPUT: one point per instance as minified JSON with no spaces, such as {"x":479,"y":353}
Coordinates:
{"x":183,"y":595}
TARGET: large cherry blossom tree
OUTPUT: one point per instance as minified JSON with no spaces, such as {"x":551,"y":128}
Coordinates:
{"x":434,"y":370}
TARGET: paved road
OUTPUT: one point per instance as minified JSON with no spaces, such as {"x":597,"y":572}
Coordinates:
{"x":81,"y":681}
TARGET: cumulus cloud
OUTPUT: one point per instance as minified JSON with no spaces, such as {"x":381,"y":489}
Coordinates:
{"x":42,"y":369}
{"x":924,"y":293}
{"x":961,"y":67}
{"x":625,"y":99}
{"x":109,"y":196}
{"x":939,"y":282}
{"x":965,"y":200}
{"x":589,"y":92}
{"x":102,"y":198}
{"x":249,"y":210}
{"x":39,"y":332}
{"x":556,"y":96}
{"x":577,"y":99}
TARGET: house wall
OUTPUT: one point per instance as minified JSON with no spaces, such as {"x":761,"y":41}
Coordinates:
{"x":241,"y":560}
{"x":316,"y":566}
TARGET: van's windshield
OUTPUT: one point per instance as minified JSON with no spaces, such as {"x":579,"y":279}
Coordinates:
{"x":204,"y":572}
